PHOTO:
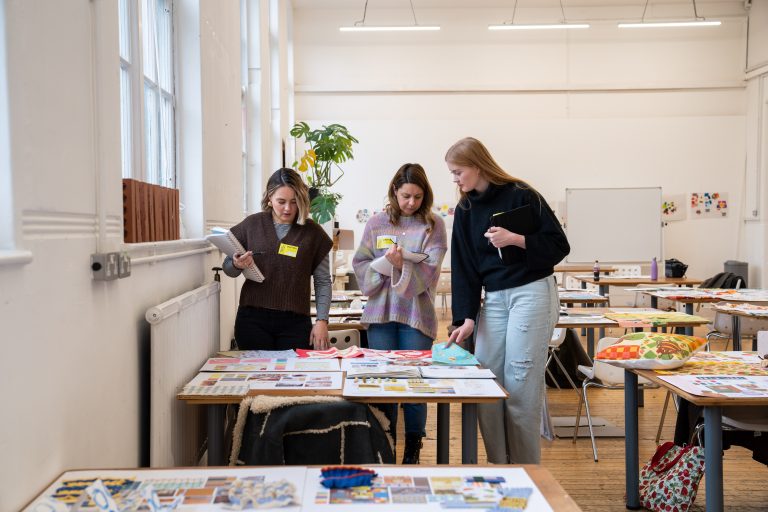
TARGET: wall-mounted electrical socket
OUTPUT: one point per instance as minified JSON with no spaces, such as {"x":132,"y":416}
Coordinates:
{"x":105,"y":266}
{"x":123,"y":265}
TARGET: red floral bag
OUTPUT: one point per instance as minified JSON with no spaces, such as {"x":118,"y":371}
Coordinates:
{"x":670,"y":480}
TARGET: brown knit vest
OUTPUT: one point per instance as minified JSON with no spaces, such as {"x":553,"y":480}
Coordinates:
{"x":286,"y":285}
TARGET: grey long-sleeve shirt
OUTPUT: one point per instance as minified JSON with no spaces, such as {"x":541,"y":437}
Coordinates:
{"x":321,"y":276}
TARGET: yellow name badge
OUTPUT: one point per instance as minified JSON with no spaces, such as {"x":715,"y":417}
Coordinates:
{"x":385,"y":241}
{"x":288,"y":250}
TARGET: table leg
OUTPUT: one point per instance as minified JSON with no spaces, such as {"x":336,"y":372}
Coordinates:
{"x":632,"y":452}
{"x":215,"y":423}
{"x":591,"y":342}
{"x":654,"y":305}
{"x":443,"y":432}
{"x":736,"y":328}
{"x":713,"y":458}
{"x":468,"y":433}
{"x":689,"y":311}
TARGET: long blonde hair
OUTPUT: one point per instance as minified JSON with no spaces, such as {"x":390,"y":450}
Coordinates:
{"x":470,"y":152}
{"x":414,"y":174}
{"x":286,"y":177}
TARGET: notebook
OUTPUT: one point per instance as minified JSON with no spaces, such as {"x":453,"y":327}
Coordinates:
{"x":229,"y":244}
{"x":518,"y":220}
{"x":384,"y":267}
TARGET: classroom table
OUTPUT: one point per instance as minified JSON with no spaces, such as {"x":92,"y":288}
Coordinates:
{"x":736,"y":316}
{"x":216,"y":407}
{"x":208,"y":488}
{"x":591,"y":318}
{"x":709,"y":296}
{"x":607,"y":281}
{"x":713,"y":440}
{"x":586,"y":318}
{"x":574,"y":267}
{"x":580,"y":297}
{"x":568,"y":268}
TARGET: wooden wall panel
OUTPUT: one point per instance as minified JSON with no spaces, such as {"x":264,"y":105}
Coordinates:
{"x":150,"y":212}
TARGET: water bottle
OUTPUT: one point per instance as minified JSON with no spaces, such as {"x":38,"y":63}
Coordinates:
{"x":654,"y":270}
{"x":596,"y":271}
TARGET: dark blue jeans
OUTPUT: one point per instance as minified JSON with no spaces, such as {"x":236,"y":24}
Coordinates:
{"x":397,"y":336}
{"x":269,"y":329}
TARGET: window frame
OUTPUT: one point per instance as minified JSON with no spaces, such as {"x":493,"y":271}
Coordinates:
{"x":137,"y":158}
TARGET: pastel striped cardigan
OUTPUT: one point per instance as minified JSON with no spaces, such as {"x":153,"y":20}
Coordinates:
{"x":408,"y":297}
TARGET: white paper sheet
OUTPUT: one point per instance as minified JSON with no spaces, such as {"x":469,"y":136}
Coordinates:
{"x":720,"y":386}
{"x":294,"y":364}
{"x":405,"y":388}
{"x":207,"y":483}
{"x":412,"y":489}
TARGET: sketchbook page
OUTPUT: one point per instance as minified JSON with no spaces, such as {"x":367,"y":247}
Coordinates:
{"x":384,"y":370}
{"x":205,"y":486}
{"x":413,"y":489}
{"x":216,"y":384}
{"x":721,"y":386}
{"x":283,"y":382}
{"x":384,"y":267}
{"x":230,"y":245}
{"x":407,"y":388}
{"x":455,"y":372}
{"x":263,"y":354}
{"x":255,"y":364}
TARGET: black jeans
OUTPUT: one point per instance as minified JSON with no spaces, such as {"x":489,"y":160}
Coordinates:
{"x":269,"y":329}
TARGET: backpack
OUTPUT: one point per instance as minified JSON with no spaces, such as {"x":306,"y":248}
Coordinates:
{"x":723,"y":280}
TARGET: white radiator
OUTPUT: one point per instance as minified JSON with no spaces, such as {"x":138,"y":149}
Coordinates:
{"x":184,"y":333}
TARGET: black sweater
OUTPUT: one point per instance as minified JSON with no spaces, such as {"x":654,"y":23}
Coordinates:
{"x":475,"y":263}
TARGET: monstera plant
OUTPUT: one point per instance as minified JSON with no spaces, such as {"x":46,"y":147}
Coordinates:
{"x":327,"y":147}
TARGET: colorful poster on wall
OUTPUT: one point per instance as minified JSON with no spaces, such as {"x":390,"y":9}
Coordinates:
{"x":708,"y":204}
{"x":444,"y":209}
{"x":673,"y":208}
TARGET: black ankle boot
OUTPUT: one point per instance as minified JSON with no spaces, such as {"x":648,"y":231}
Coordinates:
{"x":412,"y":448}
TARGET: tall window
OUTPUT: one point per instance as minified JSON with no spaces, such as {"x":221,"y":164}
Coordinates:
{"x":6,"y":194}
{"x":147,"y":101}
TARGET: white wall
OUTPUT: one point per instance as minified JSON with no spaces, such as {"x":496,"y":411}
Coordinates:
{"x":597,"y":108}
{"x":75,"y":351}
{"x":755,"y":238}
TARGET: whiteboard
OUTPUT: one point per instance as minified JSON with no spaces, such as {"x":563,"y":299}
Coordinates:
{"x":613,"y":224}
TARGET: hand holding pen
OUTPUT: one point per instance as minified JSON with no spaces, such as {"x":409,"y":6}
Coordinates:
{"x":394,"y":255}
{"x":242,"y":261}
{"x":500,"y":237}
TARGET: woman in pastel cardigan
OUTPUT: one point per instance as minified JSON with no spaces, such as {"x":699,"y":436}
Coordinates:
{"x":400,"y":312}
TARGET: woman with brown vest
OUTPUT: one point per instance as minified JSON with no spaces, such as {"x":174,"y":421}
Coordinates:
{"x":288,"y":248}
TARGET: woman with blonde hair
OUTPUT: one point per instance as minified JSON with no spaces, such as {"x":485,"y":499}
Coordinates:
{"x":400,"y":312}
{"x":514,"y":324}
{"x":288,"y":248}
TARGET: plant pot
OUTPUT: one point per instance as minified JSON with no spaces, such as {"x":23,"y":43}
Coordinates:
{"x":313,"y":193}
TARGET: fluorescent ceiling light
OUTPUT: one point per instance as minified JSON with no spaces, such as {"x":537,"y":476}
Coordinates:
{"x":542,"y":26}
{"x":390,"y":28}
{"x":662,"y":24}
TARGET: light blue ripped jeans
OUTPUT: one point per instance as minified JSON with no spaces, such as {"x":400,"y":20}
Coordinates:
{"x":513,"y":330}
